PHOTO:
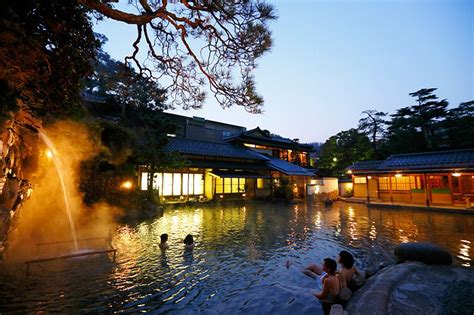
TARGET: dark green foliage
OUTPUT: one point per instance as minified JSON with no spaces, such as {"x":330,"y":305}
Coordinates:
{"x":46,"y":49}
{"x":101,"y":180}
{"x":342,"y":150}
{"x":198,"y":46}
{"x":373,"y":126}
{"x":135,"y":136}
{"x":283,"y":191}
{"x":459,"y":124}
{"x":417,"y":128}
{"x":426,"y":126}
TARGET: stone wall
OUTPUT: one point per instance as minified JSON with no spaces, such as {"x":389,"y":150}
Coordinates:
{"x":18,"y":141}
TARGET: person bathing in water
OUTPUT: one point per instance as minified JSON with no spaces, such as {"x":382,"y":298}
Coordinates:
{"x":164,"y":241}
{"x":348,"y":272}
{"x":188,"y":242}
{"x":331,"y":282}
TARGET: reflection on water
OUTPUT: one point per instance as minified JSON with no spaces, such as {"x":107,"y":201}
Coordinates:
{"x":238,"y":249}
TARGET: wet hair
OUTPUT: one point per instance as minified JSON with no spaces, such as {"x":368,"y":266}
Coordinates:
{"x":188,"y":240}
{"x":164,"y":237}
{"x":346,"y":259}
{"x":331,"y":264}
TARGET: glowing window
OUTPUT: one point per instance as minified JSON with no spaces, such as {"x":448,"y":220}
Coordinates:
{"x":383,"y":183}
{"x":167,"y":184}
{"x":235,"y":185}
{"x":219,"y":185}
{"x":401,"y":183}
{"x":144,"y":182}
{"x":185,"y":184}
{"x":227,"y":186}
{"x":260,"y":183}
{"x":176,"y":184}
{"x":158,"y":182}
{"x":359,"y":180}
{"x":198,"y":184}
{"x":242,"y":185}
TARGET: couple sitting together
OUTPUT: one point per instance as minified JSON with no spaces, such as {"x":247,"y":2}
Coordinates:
{"x":337,"y":284}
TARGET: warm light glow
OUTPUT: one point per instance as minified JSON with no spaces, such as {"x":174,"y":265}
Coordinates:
{"x":398,"y":175}
{"x":369,"y":177}
{"x":49,"y":154}
{"x":243,"y":195}
{"x":334,"y":159}
{"x":126,"y":185}
{"x":456,"y":174}
{"x":349,"y":172}
{"x":221,"y":196}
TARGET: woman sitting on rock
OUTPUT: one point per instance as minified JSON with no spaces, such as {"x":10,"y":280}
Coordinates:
{"x":348,"y":272}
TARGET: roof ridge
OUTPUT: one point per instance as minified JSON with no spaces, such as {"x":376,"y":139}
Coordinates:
{"x":430,"y":152}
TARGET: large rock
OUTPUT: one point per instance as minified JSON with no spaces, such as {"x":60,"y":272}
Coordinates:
{"x":427,"y":253}
{"x":416,"y":288}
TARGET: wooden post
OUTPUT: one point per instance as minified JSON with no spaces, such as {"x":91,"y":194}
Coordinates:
{"x":450,"y":185}
{"x":390,"y":187}
{"x":427,"y":195}
{"x":367,"y":186}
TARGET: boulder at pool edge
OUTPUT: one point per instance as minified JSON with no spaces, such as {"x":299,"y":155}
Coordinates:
{"x":427,"y":253}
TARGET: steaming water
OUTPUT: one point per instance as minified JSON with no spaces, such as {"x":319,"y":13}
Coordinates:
{"x":60,"y":172}
{"x":238,"y":264}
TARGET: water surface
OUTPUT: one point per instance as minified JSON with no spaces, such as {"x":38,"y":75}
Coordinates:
{"x":238,"y":264}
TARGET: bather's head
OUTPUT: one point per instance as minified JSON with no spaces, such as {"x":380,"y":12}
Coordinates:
{"x":329,"y":266}
{"x":164,"y":238}
{"x":346,"y":259}
{"x":188,"y":240}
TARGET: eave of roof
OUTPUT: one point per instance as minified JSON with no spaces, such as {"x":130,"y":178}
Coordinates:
{"x":288,"y":168}
{"x":443,"y":161}
{"x":211,"y":149}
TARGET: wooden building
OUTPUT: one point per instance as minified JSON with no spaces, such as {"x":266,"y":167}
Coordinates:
{"x":227,"y":161}
{"x":431,"y":178}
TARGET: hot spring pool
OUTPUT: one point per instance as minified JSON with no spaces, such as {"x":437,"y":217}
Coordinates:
{"x":238,"y":264}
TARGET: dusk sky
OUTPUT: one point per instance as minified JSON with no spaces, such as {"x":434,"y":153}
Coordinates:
{"x":333,"y":59}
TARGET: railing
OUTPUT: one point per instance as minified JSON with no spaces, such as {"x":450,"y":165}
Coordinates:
{"x":73,"y":255}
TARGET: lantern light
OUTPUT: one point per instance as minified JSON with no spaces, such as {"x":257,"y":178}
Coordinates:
{"x":126,"y":185}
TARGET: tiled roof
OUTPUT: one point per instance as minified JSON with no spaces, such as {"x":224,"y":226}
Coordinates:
{"x":212,"y":149}
{"x":288,"y":168}
{"x":443,"y":160}
{"x":366,"y":165}
{"x":259,"y":136}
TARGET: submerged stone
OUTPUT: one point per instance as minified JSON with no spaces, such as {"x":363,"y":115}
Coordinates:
{"x":427,"y":253}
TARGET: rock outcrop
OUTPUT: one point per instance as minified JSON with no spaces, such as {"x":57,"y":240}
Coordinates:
{"x":18,"y":143}
{"x":416,"y":288}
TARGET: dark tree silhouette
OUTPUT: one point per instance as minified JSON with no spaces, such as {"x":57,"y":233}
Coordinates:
{"x":373,"y":125}
{"x":194,"y":43}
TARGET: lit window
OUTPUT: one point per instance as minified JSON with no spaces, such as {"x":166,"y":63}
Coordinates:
{"x":219,"y":185}
{"x":144,"y":183}
{"x":359,"y":180}
{"x":227,"y":186}
{"x":198,"y":184}
{"x":167,"y":184}
{"x":260,"y":183}
{"x":176,"y":184}
{"x":241,"y":184}
{"x":186,"y":184}
{"x":383,"y":183}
